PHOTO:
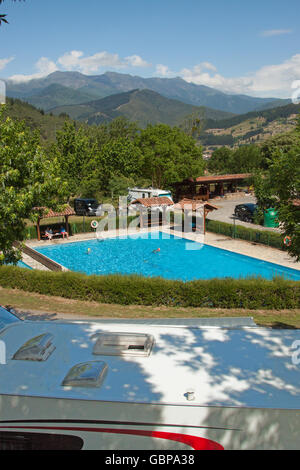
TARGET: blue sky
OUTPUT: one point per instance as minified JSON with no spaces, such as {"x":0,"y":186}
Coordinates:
{"x":235,"y":46}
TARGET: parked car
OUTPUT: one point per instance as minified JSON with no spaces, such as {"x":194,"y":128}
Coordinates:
{"x":245,"y":212}
{"x":89,"y":207}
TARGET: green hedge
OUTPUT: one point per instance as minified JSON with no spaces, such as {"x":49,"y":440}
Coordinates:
{"x":265,"y":237}
{"x":252,"y":293}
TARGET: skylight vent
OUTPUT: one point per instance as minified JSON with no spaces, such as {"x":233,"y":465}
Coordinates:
{"x":123,"y":344}
{"x":36,"y":349}
{"x":86,"y":374}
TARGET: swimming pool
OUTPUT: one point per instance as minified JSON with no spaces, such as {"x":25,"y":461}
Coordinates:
{"x":134,"y":255}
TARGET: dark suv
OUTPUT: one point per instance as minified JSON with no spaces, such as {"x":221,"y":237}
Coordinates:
{"x":86,"y":207}
{"x":245,"y":212}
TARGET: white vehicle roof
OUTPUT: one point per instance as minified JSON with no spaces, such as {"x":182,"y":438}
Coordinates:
{"x":221,"y":364}
{"x":149,"y":190}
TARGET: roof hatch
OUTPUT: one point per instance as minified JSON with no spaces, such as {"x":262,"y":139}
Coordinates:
{"x":86,"y":374}
{"x":38,"y":348}
{"x":123,"y":344}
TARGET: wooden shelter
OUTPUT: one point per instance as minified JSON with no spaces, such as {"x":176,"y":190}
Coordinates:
{"x":152,"y":210}
{"x":192,"y":205}
{"x":200,"y":188}
{"x":49,"y":213}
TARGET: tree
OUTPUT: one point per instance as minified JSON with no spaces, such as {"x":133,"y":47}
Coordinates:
{"x":220,"y":160}
{"x":285,"y":177}
{"x":169,"y":155}
{"x":245,"y":159}
{"x":74,"y":150}
{"x":118,"y":157}
{"x":279,"y":186}
{"x":28,"y":179}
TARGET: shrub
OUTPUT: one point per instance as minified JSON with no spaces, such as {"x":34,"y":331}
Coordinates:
{"x":252,"y":293}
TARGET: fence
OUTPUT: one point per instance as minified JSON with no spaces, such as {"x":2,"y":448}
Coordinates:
{"x":264,"y":237}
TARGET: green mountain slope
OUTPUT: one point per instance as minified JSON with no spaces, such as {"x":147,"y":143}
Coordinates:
{"x":255,"y":127}
{"x":142,"y":106}
{"x":34,"y":118}
{"x":56,"y":95}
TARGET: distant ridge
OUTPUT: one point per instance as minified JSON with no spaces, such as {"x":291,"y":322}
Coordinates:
{"x":109,"y":83}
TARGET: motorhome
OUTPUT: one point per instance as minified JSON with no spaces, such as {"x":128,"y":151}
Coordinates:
{"x":140,"y":193}
{"x":147,"y":385}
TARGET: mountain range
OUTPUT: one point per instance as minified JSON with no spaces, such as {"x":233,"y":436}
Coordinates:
{"x":73,"y":88}
{"x":141,"y":106}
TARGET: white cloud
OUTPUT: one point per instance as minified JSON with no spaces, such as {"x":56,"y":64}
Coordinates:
{"x":136,"y":61}
{"x":270,"y":80}
{"x":4,"y":62}
{"x":164,"y":71}
{"x":44,"y":67}
{"x":275,"y":32}
{"x":75,"y":60}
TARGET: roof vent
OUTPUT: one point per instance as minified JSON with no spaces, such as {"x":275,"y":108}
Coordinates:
{"x":123,"y":344}
{"x":86,"y":374}
{"x":36,"y":349}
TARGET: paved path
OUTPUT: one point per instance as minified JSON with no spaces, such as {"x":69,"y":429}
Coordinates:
{"x":225,"y":213}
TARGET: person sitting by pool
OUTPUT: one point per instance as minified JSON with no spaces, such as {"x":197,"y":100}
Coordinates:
{"x":63,"y":232}
{"x":49,"y":233}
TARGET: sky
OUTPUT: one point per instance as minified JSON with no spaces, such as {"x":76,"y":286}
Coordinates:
{"x":234,"y":46}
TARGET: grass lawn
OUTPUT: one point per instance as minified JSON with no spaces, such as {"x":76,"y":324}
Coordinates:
{"x":41,"y":306}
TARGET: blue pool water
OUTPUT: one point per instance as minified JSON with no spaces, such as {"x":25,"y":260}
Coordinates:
{"x":21,"y":264}
{"x":134,"y":255}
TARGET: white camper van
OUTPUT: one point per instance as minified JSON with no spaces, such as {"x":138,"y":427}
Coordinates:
{"x":149,"y":385}
{"x":140,"y":193}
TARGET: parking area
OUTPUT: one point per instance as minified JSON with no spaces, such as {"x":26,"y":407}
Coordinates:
{"x":225,"y":212}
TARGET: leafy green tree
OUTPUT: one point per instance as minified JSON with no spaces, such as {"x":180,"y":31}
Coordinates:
{"x":118,"y":157}
{"x":169,"y":155}
{"x":118,"y":185}
{"x":279,"y":186}
{"x":74,"y":150}
{"x":245,"y":159}
{"x":220,"y":160}
{"x":285,"y":178}
{"x":28,"y":179}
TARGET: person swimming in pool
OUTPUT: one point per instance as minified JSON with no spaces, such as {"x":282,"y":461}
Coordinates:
{"x":156,"y":251}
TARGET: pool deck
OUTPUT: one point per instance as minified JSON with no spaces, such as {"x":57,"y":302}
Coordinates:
{"x":262,"y":252}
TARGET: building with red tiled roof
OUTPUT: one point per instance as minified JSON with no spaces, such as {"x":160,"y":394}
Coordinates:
{"x":151,"y":202}
{"x":200,"y":188}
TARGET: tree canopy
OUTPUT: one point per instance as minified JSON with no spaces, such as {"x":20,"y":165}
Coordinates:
{"x":28,"y":179}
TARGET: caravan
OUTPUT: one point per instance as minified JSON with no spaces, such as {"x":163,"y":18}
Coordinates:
{"x":186,"y":384}
{"x":140,"y":193}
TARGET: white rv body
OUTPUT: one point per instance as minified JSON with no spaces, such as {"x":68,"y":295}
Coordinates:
{"x":230,"y":385}
{"x":145,"y":193}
